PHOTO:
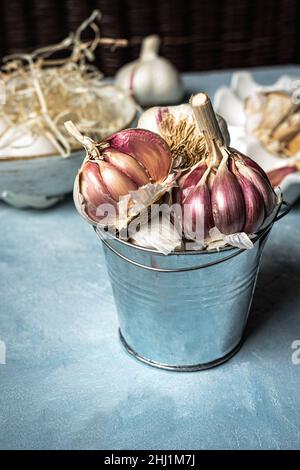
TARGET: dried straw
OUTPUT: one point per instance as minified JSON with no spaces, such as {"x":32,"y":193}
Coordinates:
{"x":42,"y":92}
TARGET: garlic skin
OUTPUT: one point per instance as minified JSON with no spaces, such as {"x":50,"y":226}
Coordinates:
{"x":151,"y":79}
{"x":160,"y":235}
{"x":277,"y":176}
{"x":177,"y":126}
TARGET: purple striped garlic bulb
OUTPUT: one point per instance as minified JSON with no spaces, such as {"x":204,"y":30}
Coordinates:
{"x":226,"y":190}
{"x":122,"y":163}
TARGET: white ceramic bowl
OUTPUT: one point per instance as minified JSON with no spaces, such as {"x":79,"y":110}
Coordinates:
{"x":229,"y":103}
{"x":42,"y":180}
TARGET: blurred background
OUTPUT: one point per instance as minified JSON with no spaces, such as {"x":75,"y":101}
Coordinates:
{"x":196,"y":34}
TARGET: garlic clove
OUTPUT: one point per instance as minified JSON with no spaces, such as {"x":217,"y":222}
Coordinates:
{"x":149,"y":149}
{"x":251,"y":163}
{"x":293,"y":146}
{"x":92,"y":186}
{"x":254,"y":204}
{"x":90,"y":192}
{"x":117,"y":183}
{"x":192,"y":177}
{"x":271,"y":106}
{"x":287,"y":129}
{"x":127,"y":165}
{"x":198,"y":217}
{"x":227,"y":201}
{"x":262,"y":185}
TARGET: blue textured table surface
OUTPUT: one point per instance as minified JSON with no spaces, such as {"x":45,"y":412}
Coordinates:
{"x":67,"y":382}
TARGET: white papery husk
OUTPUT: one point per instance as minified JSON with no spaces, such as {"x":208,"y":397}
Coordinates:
{"x":240,"y":240}
{"x":160,"y":235}
{"x":139,"y":201}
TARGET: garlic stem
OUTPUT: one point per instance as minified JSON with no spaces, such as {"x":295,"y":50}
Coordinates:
{"x":205,"y":117}
{"x":150,"y":47}
{"x":87,"y":142}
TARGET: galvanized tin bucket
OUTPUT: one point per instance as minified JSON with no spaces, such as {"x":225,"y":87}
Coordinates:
{"x":184,"y":311}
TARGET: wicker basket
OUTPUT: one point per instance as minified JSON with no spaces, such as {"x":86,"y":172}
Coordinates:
{"x":196,"y":35}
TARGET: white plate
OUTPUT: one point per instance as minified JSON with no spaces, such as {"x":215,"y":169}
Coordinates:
{"x":229,"y":103}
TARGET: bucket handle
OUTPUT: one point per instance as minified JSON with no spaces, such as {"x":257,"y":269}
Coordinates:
{"x":264,"y":232}
{"x":282,"y":214}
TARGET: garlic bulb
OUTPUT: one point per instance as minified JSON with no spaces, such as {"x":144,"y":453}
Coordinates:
{"x":177,"y":126}
{"x":226,"y":189}
{"x":122,"y":163}
{"x":151,"y":79}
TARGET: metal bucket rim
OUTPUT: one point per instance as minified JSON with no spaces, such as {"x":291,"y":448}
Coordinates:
{"x":189,"y":252}
{"x":235,"y":251}
{"x":276,"y":217}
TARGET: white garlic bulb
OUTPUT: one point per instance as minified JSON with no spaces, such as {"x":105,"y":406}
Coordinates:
{"x":151,"y":79}
{"x":18,"y":141}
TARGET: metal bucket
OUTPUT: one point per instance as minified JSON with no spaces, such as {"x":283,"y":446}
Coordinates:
{"x":184,"y":311}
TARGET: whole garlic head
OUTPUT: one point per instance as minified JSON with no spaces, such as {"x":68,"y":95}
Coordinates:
{"x":275,"y":120}
{"x":151,"y":79}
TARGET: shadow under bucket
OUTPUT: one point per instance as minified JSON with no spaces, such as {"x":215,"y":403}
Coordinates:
{"x":186,"y":311}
